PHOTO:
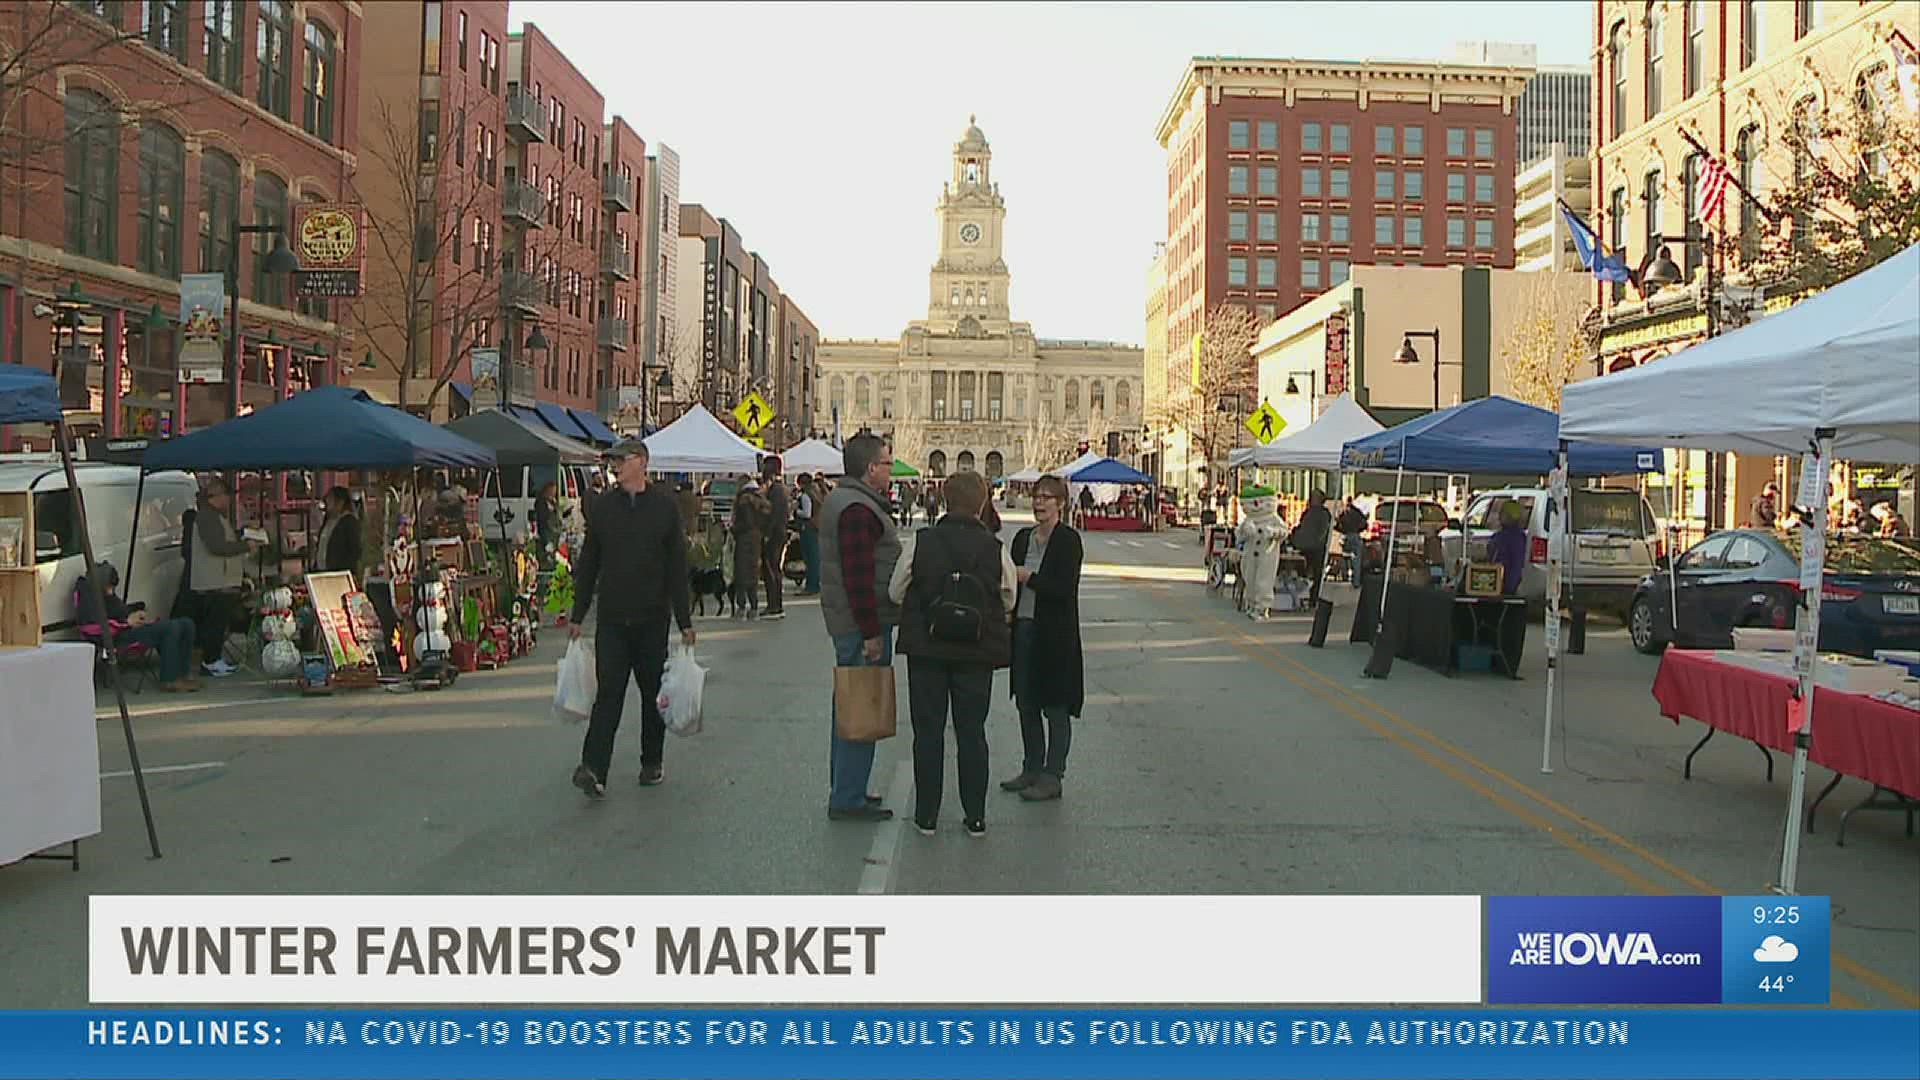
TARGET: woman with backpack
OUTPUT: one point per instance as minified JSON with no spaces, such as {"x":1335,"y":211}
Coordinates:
{"x":954,"y":586}
{"x":1049,"y":675}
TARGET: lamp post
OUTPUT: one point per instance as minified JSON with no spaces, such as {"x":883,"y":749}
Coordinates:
{"x":1406,"y":355}
{"x":278,"y":261}
{"x":1313,"y":391}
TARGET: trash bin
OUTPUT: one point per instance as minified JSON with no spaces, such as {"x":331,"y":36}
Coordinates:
{"x":1366,"y":610}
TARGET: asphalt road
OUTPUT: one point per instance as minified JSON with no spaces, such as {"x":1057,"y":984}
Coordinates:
{"x":1216,"y":756}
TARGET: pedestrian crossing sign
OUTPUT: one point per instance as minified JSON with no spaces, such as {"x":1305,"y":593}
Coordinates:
{"x":759,"y":441}
{"x":1266,"y":423}
{"x":753,"y":412}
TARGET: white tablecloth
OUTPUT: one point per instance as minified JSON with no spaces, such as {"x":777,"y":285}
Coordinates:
{"x":49,"y":749}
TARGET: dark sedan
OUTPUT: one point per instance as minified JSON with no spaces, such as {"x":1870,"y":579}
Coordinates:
{"x":1869,"y":598}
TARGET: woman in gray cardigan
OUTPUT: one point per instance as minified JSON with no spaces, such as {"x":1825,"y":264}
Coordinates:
{"x":216,"y":572}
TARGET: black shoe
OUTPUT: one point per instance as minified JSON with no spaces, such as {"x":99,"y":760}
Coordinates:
{"x":926,"y":827}
{"x":774,"y":615}
{"x":976,"y":827}
{"x":653,"y":775}
{"x":584,"y":779}
{"x":1020,"y":783}
{"x":874,"y":800}
{"x":859,"y":813}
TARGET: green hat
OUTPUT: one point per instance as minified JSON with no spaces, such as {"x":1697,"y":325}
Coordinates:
{"x":1256,"y":491}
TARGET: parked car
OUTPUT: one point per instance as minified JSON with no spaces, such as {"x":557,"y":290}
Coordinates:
{"x":1406,"y":519}
{"x":109,"y":494}
{"x":1869,"y":594}
{"x":506,"y":498}
{"x":1616,"y":542}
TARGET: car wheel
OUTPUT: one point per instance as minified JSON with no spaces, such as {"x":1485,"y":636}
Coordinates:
{"x":1640,"y":626}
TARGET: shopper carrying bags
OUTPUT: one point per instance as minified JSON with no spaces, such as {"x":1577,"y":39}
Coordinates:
{"x":955,"y":589}
{"x":860,"y":546}
{"x":1049,"y":675}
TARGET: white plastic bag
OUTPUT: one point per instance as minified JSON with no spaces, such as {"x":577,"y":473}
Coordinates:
{"x":575,"y":686}
{"x":682,"y":687}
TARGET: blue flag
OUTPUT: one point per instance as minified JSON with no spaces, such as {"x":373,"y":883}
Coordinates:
{"x":1593,"y":257}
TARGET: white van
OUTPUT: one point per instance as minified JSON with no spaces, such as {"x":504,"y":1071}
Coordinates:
{"x":1616,"y":542}
{"x":109,"y":494}
{"x":506,"y":499}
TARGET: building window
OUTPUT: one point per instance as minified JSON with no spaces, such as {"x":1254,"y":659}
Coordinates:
{"x":1236,"y":179}
{"x":489,"y":62}
{"x":1269,"y":180}
{"x":1340,"y":136}
{"x":1237,"y":270}
{"x":219,"y":200}
{"x":1413,"y":186}
{"x":1656,"y":56}
{"x":1483,"y":144}
{"x":221,"y":41}
{"x":862,"y":395}
{"x":1617,"y":230}
{"x":430,"y":37}
{"x":1072,"y":407}
{"x":1871,"y":114}
{"x":1337,"y":273}
{"x":1338,"y":229}
{"x":1745,"y":152}
{"x":1383,"y":139}
{"x":1689,"y":186}
{"x":1650,"y":195}
{"x":269,"y":208}
{"x":429,"y":132}
{"x":1803,"y":18}
{"x":318,"y":118}
{"x":1617,"y":72}
{"x":1310,"y":228}
{"x":460,"y":39}
{"x":1456,"y":232}
{"x":1456,"y":187}
{"x":1269,"y":226}
{"x":1456,"y":142}
{"x":1269,"y":135}
{"x":1752,"y":32}
{"x":92,"y":175}
{"x":1309,"y":274}
{"x":1696,"y":17}
{"x":1412,"y":232}
{"x":1340,"y":184}
{"x":1237,"y":225}
{"x":274,"y":40}
{"x":1483,"y":190}
{"x":1309,"y":183}
{"x":1413,"y":140}
{"x":164,"y":26}
{"x":1238,"y":138}
{"x":1483,"y":234}
{"x":1268,"y":271}
{"x":1807,"y":128}
{"x":1310,"y":138}
{"x":1382,"y":231}
{"x":162,"y":190}
{"x":1382,"y":185}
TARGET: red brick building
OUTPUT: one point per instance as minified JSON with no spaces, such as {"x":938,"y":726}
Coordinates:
{"x":148,"y":131}
{"x":1282,"y":175}
{"x":794,"y":368}
{"x":623,"y":196}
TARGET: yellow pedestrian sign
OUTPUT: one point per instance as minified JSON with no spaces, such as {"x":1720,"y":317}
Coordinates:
{"x":759,"y":441}
{"x":753,"y":412}
{"x":1266,"y":423}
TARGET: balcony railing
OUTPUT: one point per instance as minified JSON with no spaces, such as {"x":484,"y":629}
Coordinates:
{"x":613,"y":334}
{"x":616,"y":190}
{"x":523,"y":203}
{"x":616,"y":260}
{"x":525,"y":121}
{"x":523,"y":382}
{"x":519,"y":291}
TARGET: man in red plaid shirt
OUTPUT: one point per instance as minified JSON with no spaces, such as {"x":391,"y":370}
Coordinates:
{"x":859,"y":547}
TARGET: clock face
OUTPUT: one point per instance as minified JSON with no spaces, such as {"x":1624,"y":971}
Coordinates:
{"x":969,"y":233}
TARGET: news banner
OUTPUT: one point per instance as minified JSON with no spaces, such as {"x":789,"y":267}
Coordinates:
{"x":959,"y":986}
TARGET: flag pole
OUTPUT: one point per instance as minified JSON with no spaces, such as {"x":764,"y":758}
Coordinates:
{"x":1733,"y":181}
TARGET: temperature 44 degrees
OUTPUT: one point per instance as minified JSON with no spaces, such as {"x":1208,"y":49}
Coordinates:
{"x":1775,"y":984}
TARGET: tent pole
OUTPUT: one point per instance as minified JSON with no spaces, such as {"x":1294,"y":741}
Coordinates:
{"x":65,"y":435}
{"x":133,"y":541}
{"x":1393,"y":528}
{"x":1673,"y":545}
{"x":1813,"y":555}
{"x":1557,"y":500}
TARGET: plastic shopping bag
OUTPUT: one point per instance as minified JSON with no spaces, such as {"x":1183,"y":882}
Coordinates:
{"x":575,"y":686}
{"x":682,"y":686}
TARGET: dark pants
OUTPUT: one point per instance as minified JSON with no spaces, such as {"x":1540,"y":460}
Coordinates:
{"x":773,"y":558}
{"x":212,"y":622}
{"x":170,"y":639}
{"x":746,"y":572}
{"x":810,"y":549}
{"x":1316,"y":558}
{"x":625,"y":651}
{"x":1045,"y":731}
{"x":933,"y":688}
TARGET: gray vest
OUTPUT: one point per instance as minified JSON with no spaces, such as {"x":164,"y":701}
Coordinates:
{"x":833,"y":584}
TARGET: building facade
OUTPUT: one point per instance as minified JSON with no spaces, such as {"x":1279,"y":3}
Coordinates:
{"x":1541,"y":239}
{"x":968,"y":388}
{"x":623,"y":172}
{"x":1556,"y":109}
{"x":716,"y":283}
{"x":794,"y":372}
{"x":1283,"y":175}
{"x":126,"y":172}
{"x":659,"y":276}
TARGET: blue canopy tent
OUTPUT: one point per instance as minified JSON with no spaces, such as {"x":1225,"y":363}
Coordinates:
{"x":333,"y":427}
{"x":30,"y":396}
{"x":1491,"y":435}
{"x":1109,"y":471}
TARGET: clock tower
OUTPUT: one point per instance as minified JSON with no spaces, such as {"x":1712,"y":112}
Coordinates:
{"x":968,"y":296}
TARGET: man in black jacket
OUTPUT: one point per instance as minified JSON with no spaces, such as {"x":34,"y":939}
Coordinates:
{"x":1311,"y":537}
{"x":635,"y":561}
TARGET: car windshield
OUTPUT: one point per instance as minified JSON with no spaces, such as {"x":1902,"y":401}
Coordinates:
{"x":1863,"y":554}
{"x":1409,"y":514}
{"x":1615,"y":513}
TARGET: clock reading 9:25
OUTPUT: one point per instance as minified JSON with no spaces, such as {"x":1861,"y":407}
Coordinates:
{"x":969,"y":233}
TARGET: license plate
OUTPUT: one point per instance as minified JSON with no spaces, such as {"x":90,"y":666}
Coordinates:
{"x":1601,"y":555}
{"x":1901,"y":605}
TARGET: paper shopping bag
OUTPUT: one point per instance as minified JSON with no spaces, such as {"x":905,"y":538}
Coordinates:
{"x":863,"y":703}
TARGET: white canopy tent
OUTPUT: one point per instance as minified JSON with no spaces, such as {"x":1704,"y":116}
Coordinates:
{"x":699,"y":443}
{"x":1025,"y":476}
{"x":1074,"y":466}
{"x":1838,"y":372}
{"x":1315,"y":446}
{"x":812,"y":456}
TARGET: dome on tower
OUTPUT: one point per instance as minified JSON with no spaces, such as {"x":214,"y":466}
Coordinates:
{"x":974,"y":139}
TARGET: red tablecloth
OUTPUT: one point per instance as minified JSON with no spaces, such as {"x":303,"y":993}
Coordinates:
{"x":1853,"y":734}
{"x":1111,"y":523}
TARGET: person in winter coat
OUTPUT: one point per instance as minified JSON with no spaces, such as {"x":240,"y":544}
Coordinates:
{"x":954,"y":591}
{"x":773,"y":541}
{"x":1049,"y":675}
{"x":216,"y":572}
{"x":339,"y":543}
{"x":750,"y":514}
{"x":1311,"y":537}
{"x":805,"y":497}
{"x":1351,"y":525}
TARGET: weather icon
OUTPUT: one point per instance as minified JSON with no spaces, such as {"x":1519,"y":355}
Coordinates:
{"x":1777,"y":950}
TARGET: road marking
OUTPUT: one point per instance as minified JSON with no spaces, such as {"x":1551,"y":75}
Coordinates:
{"x":1136,"y":543}
{"x":1262,"y":653}
{"x":156,"y":770}
{"x":877,"y":878}
{"x":1172,"y":545}
{"x":169,"y":710}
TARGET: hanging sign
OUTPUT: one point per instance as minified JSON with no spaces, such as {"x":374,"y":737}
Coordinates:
{"x":331,"y":247}
{"x":1335,"y":331}
{"x":486,"y":370}
{"x":1813,"y":483}
{"x":203,"y":299}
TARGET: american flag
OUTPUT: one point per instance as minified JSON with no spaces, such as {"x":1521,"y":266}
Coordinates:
{"x":1711,"y":193}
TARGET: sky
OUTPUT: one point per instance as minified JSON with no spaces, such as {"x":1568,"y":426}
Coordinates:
{"x":824,"y":131}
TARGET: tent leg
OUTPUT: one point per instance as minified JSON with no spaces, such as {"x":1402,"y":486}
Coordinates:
{"x":1813,"y":553}
{"x":1393,"y":529}
{"x":133,"y":540}
{"x":1559,"y":510}
{"x":106,"y":632}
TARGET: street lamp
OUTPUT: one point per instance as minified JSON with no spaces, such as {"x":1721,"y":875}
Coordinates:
{"x":1313,"y":391}
{"x":278,"y":261}
{"x":1406,"y":355}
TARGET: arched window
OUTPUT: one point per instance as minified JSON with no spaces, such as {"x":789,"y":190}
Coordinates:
{"x":1871,"y":118}
{"x":937,"y":463}
{"x":274,"y":48}
{"x":317,"y":115}
{"x":838,"y":395}
{"x":996,"y":465}
{"x":93,"y":175}
{"x":1746,"y":149}
{"x":1804,"y":143}
{"x":1689,"y":187}
{"x":1617,"y":229}
{"x":1656,"y":55}
{"x":1096,"y":395}
{"x":965,"y":461}
{"x":862,"y":395}
{"x":953,"y":298}
{"x":1753,"y":31}
{"x":1123,"y":396}
{"x":219,"y":197}
{"x":269,"y":208}
{"x":1617,"y":69}
{"x":1072,"y":399}
{"x":162,"y":189}
{"x":1656,"y":213}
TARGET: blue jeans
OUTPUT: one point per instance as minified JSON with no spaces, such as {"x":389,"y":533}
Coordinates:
{"x":850,"y":764}
{"x":810,"y":550}
{"x":171,"y":639}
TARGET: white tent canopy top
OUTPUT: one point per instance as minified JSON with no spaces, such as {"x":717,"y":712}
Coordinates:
{"x":812,"y":456}
{"x":1025,"y":476}
{"x":1075,"y":465}
{"x":699,"y":443}
{"x":1847,"y":359}
{"x":1315,"y":446}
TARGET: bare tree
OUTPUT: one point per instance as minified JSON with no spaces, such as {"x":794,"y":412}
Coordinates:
{"x":1549,"y":343}
{"x":1210,"y":404}
{"x":679,"y":352}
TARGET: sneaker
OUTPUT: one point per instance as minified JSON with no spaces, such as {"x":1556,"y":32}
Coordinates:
{"x":653,"y":775}
{"x":859,"y":813}
{"x":1046,"y":786}
{"x":1019,"y":783}
{"x":219,"y":669}
{"x":976,"y":827}
{"x":926,"y":827}
{"x":774,"y":615}
{"x":584,"y":779}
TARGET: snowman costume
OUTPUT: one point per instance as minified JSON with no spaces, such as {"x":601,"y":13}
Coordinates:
{"x":1260,"y":534}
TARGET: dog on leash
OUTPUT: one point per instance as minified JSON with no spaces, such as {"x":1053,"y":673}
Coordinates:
{"x":705,"y":583}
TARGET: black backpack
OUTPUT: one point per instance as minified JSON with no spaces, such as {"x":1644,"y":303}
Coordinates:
{"x":958,"y":614}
